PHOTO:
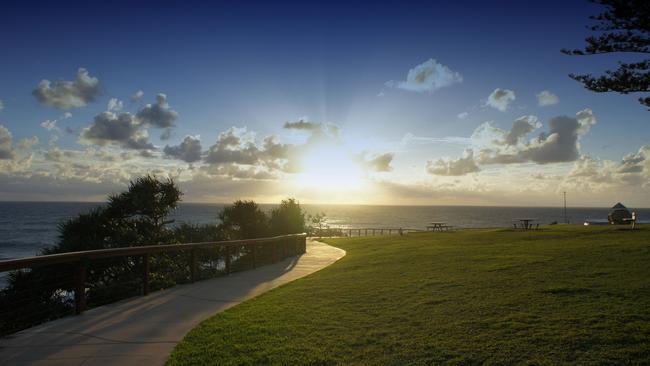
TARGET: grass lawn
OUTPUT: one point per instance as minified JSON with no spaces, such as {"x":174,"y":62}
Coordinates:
{"x":563,"y":295}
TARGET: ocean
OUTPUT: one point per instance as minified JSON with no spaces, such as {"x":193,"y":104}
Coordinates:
{"x":28,"y":227}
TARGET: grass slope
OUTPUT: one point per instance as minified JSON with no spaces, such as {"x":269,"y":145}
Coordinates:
{"x":563,"y":295}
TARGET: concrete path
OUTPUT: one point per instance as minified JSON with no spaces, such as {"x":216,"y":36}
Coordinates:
{"x":144,"y":330}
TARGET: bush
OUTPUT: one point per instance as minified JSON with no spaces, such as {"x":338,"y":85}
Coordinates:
{"x":288,"y":218}
{"x":243,"y":220}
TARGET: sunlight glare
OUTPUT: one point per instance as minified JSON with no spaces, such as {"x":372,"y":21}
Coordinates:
{"x":329,"y":168}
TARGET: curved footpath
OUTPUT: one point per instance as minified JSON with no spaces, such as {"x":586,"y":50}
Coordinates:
{"x":144,"y":330}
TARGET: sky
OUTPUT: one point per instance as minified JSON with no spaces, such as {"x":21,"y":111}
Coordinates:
{"x":441,"y":103}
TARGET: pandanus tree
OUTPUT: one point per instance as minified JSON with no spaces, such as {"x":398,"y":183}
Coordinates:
{"x":623,"y":27}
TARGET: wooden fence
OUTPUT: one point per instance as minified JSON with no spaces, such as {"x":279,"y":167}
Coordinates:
{"x":330,"y":232}
{"x":74,"y":268}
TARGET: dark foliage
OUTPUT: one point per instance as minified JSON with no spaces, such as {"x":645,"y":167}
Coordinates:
{"x":138,"y":217}
{"x":624,"y":26}
{"x":132,"y":218}
{"x":243,"y":220}
{"x":288,"y":218}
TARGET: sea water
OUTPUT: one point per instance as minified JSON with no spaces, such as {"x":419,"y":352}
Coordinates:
{"x":28,"y":227}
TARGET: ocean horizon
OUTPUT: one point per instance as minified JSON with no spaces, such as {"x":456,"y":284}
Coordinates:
{"x":28,"y":227}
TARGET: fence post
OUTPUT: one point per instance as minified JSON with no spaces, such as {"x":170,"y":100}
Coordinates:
{"x":283,"y":244}
{"x":80,"y":287}
{"x":193,"y":265}
{"x":145,"y":274}
{"x":254,"y":254}
{"x":227,"y":259}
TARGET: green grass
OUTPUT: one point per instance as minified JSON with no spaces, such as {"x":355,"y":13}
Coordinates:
{"x":564,"y":295}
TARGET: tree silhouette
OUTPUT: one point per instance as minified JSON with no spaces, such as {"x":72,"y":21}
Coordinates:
{"x":243,"y":220}
{"x":623,"y":27}
{"x":288,"y":218}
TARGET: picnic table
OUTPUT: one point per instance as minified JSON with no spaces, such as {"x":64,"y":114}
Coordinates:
{"x":437,"y":226}
{"x":526,"y":223}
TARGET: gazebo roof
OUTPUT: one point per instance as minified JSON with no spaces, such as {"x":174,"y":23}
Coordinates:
{"x":619,"y":206}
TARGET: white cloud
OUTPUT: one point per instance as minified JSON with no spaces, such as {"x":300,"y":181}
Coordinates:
{"x":28,"y":143}
{"x":631,"y":174}
{"x":501,"y":98}
{"x":49,"y":124}
{"x":137,"y":96}
{"x":462,"y":115}
{"x":546,"y":98}
{"x":115,"y":105}
{"x":65,"y":94}
{"x":427,"y":77}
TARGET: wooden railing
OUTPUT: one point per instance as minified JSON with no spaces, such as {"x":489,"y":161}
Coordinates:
{"x":370,"y":231}
{"x":243,"y":254}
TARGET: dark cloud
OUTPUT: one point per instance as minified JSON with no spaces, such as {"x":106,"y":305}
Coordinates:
{"x":377,"y":163}
{"x":6,"y":149}
{"x":520,"y":129}
{"x":458,"y":167}
{"x":159,"y":114}
{"x":65,"y":94}
{"x":122,"y":129}
{"x":560,"y":144}
{"x":189,"y":150}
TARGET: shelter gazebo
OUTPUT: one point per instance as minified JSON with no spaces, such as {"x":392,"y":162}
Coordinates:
{"x":619,"y":214}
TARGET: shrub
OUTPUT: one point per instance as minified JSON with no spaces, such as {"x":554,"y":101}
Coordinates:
{"x":288,"y":218}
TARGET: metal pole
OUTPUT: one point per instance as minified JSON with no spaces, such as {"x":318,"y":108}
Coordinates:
{"x":565,"y":219}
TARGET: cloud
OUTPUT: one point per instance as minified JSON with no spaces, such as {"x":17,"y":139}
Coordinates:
{"x":137,"y":96}
{"x":461,"y":166}
{"x":115,"y":105}
{"x":302,"y":125}
{"x":51,"y":125}
{"x":122,"y":129}
{"x":501,"y":98}
{"x":377,"y":163}
{"x":237,"y":155}
{"x":6,"y":150}
{"x":166,"y":134}
{"x":546,"y":98}
{"x":520,"y":129}
{"x":428,"y":76}
{"x":189,"y":150}
{"x":462,"y":115}
{"x":318,"y":131}
{"x":631,"y":174}
{"x":159,"y":114}
{"x":234,"y":146}
{"x":65,"y":94}
{"x":560,"y":144}
{"x":128,"y":130}
{"x":410,"y":138}
{"x":28,"y":143}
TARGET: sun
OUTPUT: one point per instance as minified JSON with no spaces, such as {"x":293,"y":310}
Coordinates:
{"x":329,"y":168}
